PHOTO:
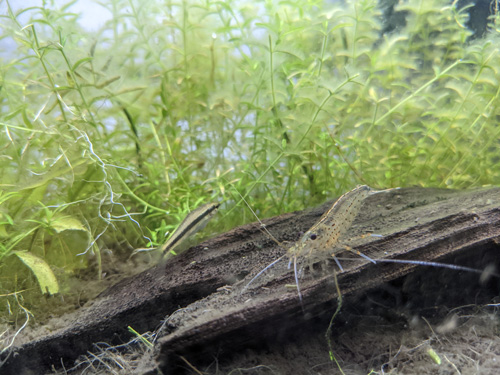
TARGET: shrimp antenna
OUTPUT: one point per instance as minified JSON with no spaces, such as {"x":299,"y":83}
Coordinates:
{"x":266,"y":231}
{"x":261,"y":272}
{"x":431,"y":264}
{"x":262,"y":225}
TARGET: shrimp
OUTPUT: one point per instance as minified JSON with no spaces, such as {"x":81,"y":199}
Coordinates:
{"x":324,"y":235}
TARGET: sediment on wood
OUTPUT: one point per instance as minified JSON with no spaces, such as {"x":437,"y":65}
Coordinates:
{"x":416,"y":223}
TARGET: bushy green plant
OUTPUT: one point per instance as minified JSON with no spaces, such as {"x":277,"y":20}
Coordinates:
{"x":110,"y":138}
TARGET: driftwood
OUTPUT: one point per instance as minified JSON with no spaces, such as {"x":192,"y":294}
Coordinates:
{"x":211,"y":308}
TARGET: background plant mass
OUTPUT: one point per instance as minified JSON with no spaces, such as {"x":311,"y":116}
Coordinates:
{"x":109,"y":138}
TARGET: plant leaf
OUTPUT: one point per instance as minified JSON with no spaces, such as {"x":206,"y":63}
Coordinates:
{"x":63,"y":223}
{"x":46,"y":278}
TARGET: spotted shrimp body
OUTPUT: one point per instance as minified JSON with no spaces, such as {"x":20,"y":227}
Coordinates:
{"x":325,"y":234}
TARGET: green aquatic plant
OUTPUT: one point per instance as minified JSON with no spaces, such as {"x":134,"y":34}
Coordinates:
{"x":110,"y":138}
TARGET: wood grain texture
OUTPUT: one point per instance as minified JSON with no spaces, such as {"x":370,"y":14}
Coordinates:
{"x":416,"y":223}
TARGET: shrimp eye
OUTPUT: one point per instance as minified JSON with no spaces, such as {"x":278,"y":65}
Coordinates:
{"x":313,"y":236}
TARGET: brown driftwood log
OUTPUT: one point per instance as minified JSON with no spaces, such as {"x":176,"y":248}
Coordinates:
{"x":210,"y":308}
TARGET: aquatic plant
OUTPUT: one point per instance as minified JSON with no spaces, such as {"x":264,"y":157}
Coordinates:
{"x":111,"y":137}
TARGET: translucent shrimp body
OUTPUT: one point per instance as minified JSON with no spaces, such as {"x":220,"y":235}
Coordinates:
{"x":324,"y":235}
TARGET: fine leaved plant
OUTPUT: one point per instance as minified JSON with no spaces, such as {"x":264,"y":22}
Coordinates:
{"x":109,"y":138}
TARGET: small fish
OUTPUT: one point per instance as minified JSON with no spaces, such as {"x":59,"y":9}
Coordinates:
{"x":194,"y":222}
